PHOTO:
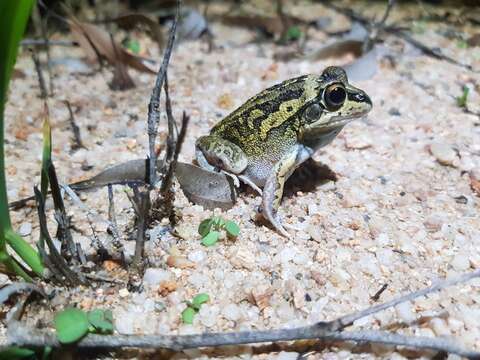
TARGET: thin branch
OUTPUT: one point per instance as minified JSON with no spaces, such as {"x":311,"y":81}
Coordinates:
{"x":41,"y":79}
{"x":77,"y":144}
{"x":19,"y":335}
{"x":154,"y":105}
{"x":432,"y":52}
{"x":43,"y":42}
{"x":348,"y":320}
{"x":113,"y":226}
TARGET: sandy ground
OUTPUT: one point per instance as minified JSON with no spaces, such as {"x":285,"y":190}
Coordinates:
{"x":402,"y":212}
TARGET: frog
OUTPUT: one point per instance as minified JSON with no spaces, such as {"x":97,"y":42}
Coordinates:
{"x":264,"y":140}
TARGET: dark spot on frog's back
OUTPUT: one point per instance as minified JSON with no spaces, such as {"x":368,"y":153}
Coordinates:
{"x":289,"y":108}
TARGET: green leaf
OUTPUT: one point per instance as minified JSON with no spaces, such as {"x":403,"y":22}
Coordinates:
{"x":200,"y":299}
{"x":14,"y":353}
{"x":71,"y":325}
{"x":211,"y":238}
{"x":218,"y":222}
{"x":205,"y":226}
{"x":293,"y":33}
{"x":46,"y":156}
{"x":102,"y":320}
{"x":232,"y":228}
{"x":134,"y":46}
{"x":462,"y":100}
{"x":187,"y":315}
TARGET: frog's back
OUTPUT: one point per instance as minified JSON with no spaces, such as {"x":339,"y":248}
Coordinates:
{"x":270,"y":116}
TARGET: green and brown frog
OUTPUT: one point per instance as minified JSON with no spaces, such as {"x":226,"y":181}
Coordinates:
{"x":263,"y":141}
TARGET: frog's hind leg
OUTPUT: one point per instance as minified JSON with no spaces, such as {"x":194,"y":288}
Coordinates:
{"x":273,"y":189}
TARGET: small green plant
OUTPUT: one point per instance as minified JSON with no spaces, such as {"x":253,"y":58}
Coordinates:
{"x":193,"y":307}
{"x":131,"y":44}
{"x":210,"y":229}
{"x":462,"y":99}
{"x":17,"y":353}
{"x":293,"y":33}
{"x":73,"y":324}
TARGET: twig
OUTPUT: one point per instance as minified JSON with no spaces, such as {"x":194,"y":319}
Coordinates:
{"x":16,"y":287}
{"x":154,"y":105}
{"x":432,"y":52}
{"x":41,"y":79}
{"x":43,"y":42}
{"x":113,"y":226}
{"x":19,"y":335}
{"x":77,"y":138}
{"x":376,"y":296}
{"x":55,"y":260}
{"x":142,"y":201}
{"x":348,"y":320}
{"x":63,"y":232}
{"x":377,"y":28}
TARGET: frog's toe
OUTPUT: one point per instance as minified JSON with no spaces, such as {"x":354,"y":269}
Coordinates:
{"x":275,"y":220}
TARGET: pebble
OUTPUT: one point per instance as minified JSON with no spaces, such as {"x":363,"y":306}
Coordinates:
{"x":123,"y":293}
{"x":460,"y":262}
{"x":405,"y":313}
{"x":444,"y":153}
{"x":196,"y":256}
{"x":154,"y":276}
{"x":25,"y":229}
{"x":287,"y":355}
{"x":232,"y":312}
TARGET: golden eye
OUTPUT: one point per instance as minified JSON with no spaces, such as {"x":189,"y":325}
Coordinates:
{"x":313,"y":112}
{"x":334,"y":96}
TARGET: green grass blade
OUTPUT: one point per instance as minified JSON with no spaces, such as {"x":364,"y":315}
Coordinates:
{"x":12,"y":27}
{"x":46,"y":155}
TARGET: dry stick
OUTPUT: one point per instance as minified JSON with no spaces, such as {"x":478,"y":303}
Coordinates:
{"x":348,"y":320}
{"x":41,"y":79}
{"x":57,"y":262}
{"x":42,"y":42}
{"x":142,"y":201}
{"x":39,"y":25}
{"x":377,"y":28}
{"x":21,"y":336}
{"x":77,"y":138}
{"x":435,"y":53}
{"x":154,"y":105}
{"x":63,"y":232}
{"x":113,"y":226}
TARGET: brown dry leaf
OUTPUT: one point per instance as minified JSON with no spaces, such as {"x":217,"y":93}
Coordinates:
{"x":95,"y":42}
{"x":111,"y":265}
{"x":337,"y":49}
{"x":475,"y":184}
{"x":261,"y":297}
{"x":129,"y":21}
{"x":271,"y":25}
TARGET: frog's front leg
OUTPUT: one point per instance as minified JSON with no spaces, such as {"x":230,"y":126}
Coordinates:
{"x":216,"y":154}
{"x":273,"y":189}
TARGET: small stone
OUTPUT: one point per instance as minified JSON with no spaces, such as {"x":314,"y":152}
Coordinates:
{"x":358,"y":141}
{"x":25,"y":229}
{"x":315,"y":232}
{"x":123,"y":293}
{"x":404,"y":312}
{"x":284,"y":355}
{"x":179,"y":262}
{"x":460,"y":262}
{"x":196,"y":256}
{"x":167,"y":287}
{"x":208,"y":315}
{"x":242,"y":258}
{"x":154,"y":276}
{"x":232,"y":312}
{"x":439,"y":326}
{"x":261,"y":297}
{"x":444,"y":153}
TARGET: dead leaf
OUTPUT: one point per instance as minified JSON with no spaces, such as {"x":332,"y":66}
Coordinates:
{"x":474,"y":40}
{"x":129,"y":21}
{"x":206,"y":188}
{"x":337,"y":49}
{"x":363,"y":68}
{"x":273,"y":26}
{"x":95,"y":42}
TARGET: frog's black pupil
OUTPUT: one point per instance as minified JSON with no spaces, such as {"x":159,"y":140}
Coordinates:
{"x":337,"y":95}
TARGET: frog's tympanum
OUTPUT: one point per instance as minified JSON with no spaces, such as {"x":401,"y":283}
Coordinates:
{"x":267,"y":138}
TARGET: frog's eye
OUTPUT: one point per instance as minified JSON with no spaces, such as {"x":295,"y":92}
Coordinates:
{"x":312,"y":112}
{"x":334,"y":96}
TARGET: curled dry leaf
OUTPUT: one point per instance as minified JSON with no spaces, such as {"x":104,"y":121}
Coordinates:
{"x":95,"y":42}
{"x":206,"y":188}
